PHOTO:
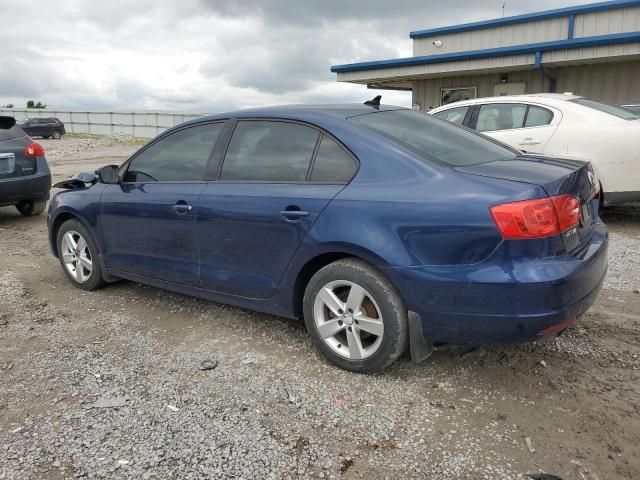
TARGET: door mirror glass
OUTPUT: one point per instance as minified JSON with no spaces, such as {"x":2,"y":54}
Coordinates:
{"x":108,"y":174}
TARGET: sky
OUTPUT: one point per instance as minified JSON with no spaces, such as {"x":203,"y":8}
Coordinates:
{"x":212,"y":55}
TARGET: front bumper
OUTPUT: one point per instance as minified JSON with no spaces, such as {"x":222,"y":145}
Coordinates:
{"x":32,"y":187}
{"x":503,"y":301}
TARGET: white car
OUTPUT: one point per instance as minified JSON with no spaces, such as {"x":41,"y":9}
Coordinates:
{"x":562,"y":126}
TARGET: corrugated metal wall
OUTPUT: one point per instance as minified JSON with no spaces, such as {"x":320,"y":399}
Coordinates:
{"x":607,"y":82}
{"x":605,"y":22}
{"x":427,"y":92}
{"x":508,"y":35}
{"x":619,"y":20}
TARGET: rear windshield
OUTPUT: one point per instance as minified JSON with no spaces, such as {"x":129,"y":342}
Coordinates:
{"x":606,"y":108}
{"x":11,"y":133}
{"x":435,"y":139}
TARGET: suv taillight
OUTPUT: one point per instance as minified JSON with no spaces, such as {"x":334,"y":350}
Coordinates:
{"x":34,"y":150}
{"x":539,"y":218}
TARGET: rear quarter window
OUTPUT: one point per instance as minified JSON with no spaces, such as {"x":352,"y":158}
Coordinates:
{"x":11,"y":133}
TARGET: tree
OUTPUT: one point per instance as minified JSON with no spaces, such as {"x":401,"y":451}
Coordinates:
{"x":32,"y":104}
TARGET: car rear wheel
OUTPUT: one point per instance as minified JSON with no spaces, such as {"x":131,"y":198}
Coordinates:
{"x":30,"y":208}
{"x":78,"y":255}
{"x":56,"y":134}
{"x":355,"y":316}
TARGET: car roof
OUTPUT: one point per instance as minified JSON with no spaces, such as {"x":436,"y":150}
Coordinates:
{"x":549,"y":98}
{"x":342,"y":111}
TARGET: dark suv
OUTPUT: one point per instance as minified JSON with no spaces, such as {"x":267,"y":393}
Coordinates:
{"x":25,"y":179}
{"x":43,"y":127}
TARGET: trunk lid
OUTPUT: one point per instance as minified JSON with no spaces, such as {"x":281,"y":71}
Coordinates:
{"x":556,"y":177}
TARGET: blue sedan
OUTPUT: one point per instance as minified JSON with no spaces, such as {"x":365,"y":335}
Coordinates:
{"x":385,"y":229}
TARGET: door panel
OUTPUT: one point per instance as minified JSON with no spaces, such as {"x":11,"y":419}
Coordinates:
{"x":149,"y":229}
{"x":530,"y":140}
{"x":525,"y":127}
{"x":247,"y":237}
{"x":148,"y":220}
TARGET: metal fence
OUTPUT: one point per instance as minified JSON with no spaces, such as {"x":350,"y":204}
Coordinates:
{"x":138,"y":124}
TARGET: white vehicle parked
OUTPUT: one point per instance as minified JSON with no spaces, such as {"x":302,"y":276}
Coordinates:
{"x":562,"y":126}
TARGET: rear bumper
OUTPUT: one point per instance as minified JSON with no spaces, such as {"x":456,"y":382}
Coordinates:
{"x":32,"y":187}
{"x":505,"y":301}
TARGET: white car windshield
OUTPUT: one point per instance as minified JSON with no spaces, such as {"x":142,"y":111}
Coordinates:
{"x":606,"y":108}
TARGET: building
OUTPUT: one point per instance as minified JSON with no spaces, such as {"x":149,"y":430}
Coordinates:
{"x":591,"y":50}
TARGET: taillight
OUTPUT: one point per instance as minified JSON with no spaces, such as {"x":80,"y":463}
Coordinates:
{"x":539,"y":218}
{"x":34,"y":150}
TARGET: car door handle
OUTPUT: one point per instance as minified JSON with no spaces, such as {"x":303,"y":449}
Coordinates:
{"x":291,"y":214}
{"x":182,"y":208}
{"x":529,"y":141}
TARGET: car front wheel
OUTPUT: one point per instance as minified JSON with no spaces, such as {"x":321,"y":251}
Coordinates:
{"x":78,"y":255}
{"x":355,"y":316}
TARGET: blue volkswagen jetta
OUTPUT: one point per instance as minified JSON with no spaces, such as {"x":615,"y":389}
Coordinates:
{"x":384,"y":228}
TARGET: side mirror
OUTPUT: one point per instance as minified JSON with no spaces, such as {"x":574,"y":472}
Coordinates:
{"x":108,"y":174}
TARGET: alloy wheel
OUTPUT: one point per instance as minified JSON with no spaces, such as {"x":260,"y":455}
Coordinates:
{"x":76,"y":256}
{"x":348,"y":319}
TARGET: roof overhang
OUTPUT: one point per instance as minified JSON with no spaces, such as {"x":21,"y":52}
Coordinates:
{"x":518,"y":57}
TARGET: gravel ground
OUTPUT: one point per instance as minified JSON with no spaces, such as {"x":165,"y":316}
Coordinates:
{"x":108,"y":384}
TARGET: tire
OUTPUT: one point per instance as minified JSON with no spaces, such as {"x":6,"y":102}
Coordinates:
{"x":377,"y":303}
{"x":30,"y":208}
{"x":56,"y":134}
{"x":78,"y":255}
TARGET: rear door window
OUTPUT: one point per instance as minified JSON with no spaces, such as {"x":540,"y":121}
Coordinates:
{"x":500,"y":116}
{"x":179,"y":157}
{"x":332,"y":163}
{"x":538,"y":117}
{"x":269,"y":151}
{"x":455,"y":115}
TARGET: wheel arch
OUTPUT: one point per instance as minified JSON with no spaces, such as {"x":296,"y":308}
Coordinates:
{"x":57,"y":222}
{"x":308,"y":269}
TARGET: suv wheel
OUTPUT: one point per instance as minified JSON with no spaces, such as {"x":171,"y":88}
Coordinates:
{"x":30,"y":208}
{"x":355,"y":316}
{"x":78,"y":255}
{"x":56,"y":134}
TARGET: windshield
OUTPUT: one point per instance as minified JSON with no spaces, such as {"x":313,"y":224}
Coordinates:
{"x":23,"y":121}
{"x":435,"y":139}
{"x":606,"y":108}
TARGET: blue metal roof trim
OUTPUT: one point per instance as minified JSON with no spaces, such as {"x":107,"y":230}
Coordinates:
{"x":498,"y":22}
{"x":492,"y":52}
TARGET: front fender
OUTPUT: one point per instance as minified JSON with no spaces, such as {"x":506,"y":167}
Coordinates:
{"x":81,"y":204}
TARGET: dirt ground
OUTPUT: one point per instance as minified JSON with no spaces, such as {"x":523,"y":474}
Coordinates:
{"x":273,"y":408}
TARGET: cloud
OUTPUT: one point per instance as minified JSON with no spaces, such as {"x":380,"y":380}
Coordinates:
{"x":210,"y":55}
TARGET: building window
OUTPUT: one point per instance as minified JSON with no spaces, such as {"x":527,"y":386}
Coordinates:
{"x":450,"y":95}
